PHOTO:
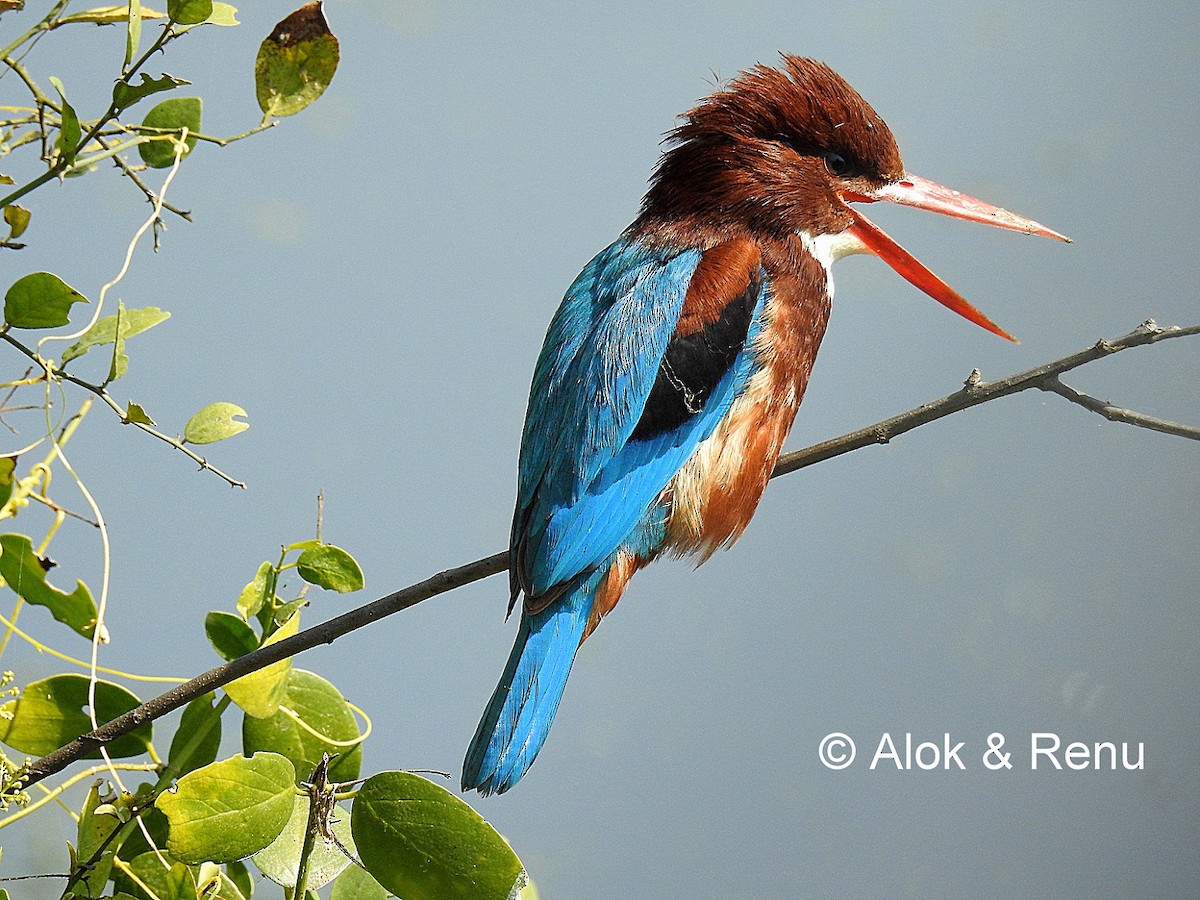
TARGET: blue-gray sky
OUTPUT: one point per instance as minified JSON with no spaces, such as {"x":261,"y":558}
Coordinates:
{"x":372,"y":281}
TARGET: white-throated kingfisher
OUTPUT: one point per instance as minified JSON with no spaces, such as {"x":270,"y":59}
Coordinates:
{"x":673,"y":369}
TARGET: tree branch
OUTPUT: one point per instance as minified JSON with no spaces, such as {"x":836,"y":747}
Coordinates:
{"x":1118,"y":413}
{"x":973,"y":393}
{"x":53,"y":370}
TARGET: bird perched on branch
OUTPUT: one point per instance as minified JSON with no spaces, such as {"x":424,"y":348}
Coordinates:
{"x":673,"y":369}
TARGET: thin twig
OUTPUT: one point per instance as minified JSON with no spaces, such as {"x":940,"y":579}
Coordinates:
{"x":197,"y":135}
{"x":975,"y":392}
{"x":129,"y":173}
{"x":972,"y":394}
{"x":99,"y":390}
{"x":1118,"y":413}
{"x":64,"y":161}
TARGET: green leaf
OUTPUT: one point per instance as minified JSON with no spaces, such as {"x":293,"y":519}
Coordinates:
{"x":25,"y":573}
{"x":200,"y":717}
{"x":189,"y":12}
{"x":331,"y":568}
{"x":162,"y":878}
{"x":331,"y":723}
{"x":303,"y":545}
{"x":215,"y":422}
{"x":119,"y":361}
{"x":40,"y":300}
{"x":423,"y":843}
{"x":125,"y":95}
{"x":17,"y":219}
{"x":175,"y":881}
{"x":8,"y":466}
{"x":281,"y":614}
{"x":230,"y":636}
{"x":255,"y":594}
{"x":239,"y":875}
{"x":115,"y":329}
{"x":105,"y":331}
{"x":134,"y":414}
{"x":50,"y":713}
{"x":170,"y":115}
{"x":261,"y":692}
{"x":69,"y":131}
{"x":133,"y":33}
{"x":230,"y":809}
{"x":295,"y":63}
{"x":280,"y":861}
{"x":107,"y":15}
{"x":355,"y":884}
{"x":92,"y":833}
{"x":140,"y":842}
{"x":181,"y":884}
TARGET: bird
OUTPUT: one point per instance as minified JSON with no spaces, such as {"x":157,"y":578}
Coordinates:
{"x":673,"y":369}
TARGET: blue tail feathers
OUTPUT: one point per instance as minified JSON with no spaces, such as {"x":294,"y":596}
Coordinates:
{"x":518,"y":717}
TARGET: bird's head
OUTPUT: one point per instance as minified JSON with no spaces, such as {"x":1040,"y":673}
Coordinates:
{"x":783,"y":152}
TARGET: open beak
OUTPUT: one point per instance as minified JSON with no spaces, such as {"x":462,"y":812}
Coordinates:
{"x":913,"y":190}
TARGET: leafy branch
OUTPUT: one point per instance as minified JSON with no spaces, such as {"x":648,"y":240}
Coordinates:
{"x":973,"y":393}
{"x":132,"y":414}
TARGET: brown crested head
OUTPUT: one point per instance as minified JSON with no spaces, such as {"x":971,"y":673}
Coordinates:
{"x":771,"y":152}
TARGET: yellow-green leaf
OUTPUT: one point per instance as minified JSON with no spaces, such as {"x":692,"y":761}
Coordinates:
{"x":260,"y":693}
{"x":108,"y":15}
{"x":215,"y":422}
{"x":69,"y":130}
{"x":228,"y":810}
{"x":355,"y":884}
{"x":136,"y":415}
{"x":331,"y":568}
{"x":17,"y":219}
{"x":257,"y":592}
{"x":222,"y":14}
{"x":280,"y":861}
{"x":40,"y":300}
{"x":133,"y":30}
{"x":105,"y":331}
{"x":8,"y":465}
{"x":330,"y":727}
{"x":296,"y":62}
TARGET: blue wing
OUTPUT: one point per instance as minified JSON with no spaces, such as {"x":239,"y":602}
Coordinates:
{"x":592,"y":461}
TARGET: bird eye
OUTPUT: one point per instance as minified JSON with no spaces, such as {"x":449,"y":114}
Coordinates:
{"x":836,"y":164}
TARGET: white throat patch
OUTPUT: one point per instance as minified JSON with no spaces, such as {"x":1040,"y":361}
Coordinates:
{"x":829,"y":248}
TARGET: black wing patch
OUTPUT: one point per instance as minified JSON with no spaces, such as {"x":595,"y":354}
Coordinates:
{"x":694,"y":364}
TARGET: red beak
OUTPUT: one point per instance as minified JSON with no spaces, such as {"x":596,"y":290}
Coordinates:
{"x":913,"y":190}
